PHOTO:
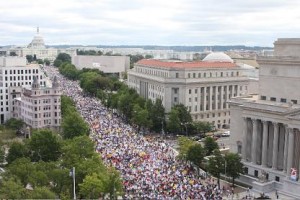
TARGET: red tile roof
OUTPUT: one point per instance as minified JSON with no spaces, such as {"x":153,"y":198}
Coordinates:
{"x":194,"y":64}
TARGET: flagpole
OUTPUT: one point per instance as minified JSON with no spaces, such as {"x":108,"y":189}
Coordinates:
{"x":74,"y":194}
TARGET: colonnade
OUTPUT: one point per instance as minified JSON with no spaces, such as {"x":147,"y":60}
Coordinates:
{"x":271,"y":144}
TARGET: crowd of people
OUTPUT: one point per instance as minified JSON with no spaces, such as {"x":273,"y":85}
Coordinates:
{"x":148,"y":165}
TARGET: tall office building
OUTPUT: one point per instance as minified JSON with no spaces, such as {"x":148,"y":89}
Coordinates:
{"x":18,"y":81}
{"x":39,"y":106}
{"x":203,"y":86}
{"x":265,"y":127}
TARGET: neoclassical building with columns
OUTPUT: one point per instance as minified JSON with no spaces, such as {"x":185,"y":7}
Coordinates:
{"x":265,"y":128}
{"x":204,"y":87}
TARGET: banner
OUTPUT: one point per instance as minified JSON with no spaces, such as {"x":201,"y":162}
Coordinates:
{"x":294,"y":174}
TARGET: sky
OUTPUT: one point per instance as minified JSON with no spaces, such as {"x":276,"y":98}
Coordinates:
{"x":149,"y":22}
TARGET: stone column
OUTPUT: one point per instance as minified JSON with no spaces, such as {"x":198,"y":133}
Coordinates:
{"x":210,"y":97}
{"x":244,"y":145}
{"x":222,"y":97}
{"x":275,"y":146}
{"x":204,"y":99}
{"x":216,"y":97}
{"x":290,"y":152}
{"x":286,"y":143}
{"x":254,"y":141}
{"x":265,"y":144}
{"x":227,"y":96}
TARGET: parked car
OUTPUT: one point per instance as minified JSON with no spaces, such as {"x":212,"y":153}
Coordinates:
{"x":226,"y":134}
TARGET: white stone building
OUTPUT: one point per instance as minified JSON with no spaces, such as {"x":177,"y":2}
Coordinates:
{"x":107,"y":64}
{"x":15,"y":73}
{"x":37,"y":47}
{"x":39,"y":106}
{"x":203,"y":86}
{"x":266,"y":127}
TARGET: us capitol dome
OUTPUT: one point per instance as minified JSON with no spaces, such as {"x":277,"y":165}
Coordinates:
{"x":217,"y":57}
{"x":37,"y":41}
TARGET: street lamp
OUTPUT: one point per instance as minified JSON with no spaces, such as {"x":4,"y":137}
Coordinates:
{"x":225,"y":170}
{"x":185,"y":124}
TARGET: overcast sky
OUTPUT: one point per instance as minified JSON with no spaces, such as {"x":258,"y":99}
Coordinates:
{"x":149,"y":22}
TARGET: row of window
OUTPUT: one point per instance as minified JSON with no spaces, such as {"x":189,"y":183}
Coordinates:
{"x":282,"y":100}
{"x":20,"y":84}
{"x":207,"y":106}
{"x":14,"y":78}
{"x":211,"y":74}
{"x":152,"y":72}
{"x":21,"y":71}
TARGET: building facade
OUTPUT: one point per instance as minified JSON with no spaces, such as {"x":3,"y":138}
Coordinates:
{"x":107,"y":64}
{"x":39,"y":106}
{"x":266,"y":127}
{"x":204,"y":87}
{"x":15,"y":73}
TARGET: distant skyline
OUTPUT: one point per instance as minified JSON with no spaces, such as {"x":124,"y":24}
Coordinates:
{"x":145,"y":22}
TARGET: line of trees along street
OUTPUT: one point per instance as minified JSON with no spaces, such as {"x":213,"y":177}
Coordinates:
{"x":44,"y":161}
{"x":229,"y":164}
{"x":145,"y":114}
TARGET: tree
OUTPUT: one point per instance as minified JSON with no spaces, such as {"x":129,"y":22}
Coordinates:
{"x":16,"y":150}
{"x":11,"y":189}
{"x":44,"y":145}
{"x":77,"y":149}
{"x":195,"y":154}
{"x":2,"y":154}
{"x":64,"y":57}
{"x":184,"y":144}
{"x":14,"y":123}
{"x":173,"y":123}
{"x":22,"y":169}
{"x":57,"y":62}
{"x":201,"y":127}
{"x":41,"y":193}
{"x":34,"y":57}
{"x":47,"y":62}
{"x":148,"y":56}
{"x":29,"y":58}
{"x":73,"y":125}
{"x":67,"y":105}
{"x":179,"y":119}
{"x":113,"y":183}
{"x":216,"y":165}
{"x":140,"y":117}
{"x":234,"y":166}
{"x":157,"y":115}
{"x":40,"y":61}
{"x":210,"y":145}
{"x":92,"y":187}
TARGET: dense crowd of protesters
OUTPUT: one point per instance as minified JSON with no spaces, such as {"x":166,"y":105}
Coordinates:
{"x":148,"y":165}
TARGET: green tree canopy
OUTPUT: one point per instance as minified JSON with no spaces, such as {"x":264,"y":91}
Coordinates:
{"x":195,"y":154}
{"x":210,"y":145}
{"x":41,"y":193}
{"x":173,"y":123}
{"x":14,"y":123}
{"x":77,"y":149}
{"x":57,"y":62}
{"x":73,"y":125}
{"x":67,"y":105}
{"x":11,"y":189}
{"x":29,"y":58}
{"x":44,"y":145}
{"x":16,"y":150}
{"x":47,"y":62}
{"x":92,"y":187}
{"x":184,"y":144}
{"x":216,"y":165}
{"x":234,"y":166}
{"x":2,"y":154}
{"x":64,"y":57}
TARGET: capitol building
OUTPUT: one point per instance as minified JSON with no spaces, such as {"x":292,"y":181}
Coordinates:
{"x":38,"y":49}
